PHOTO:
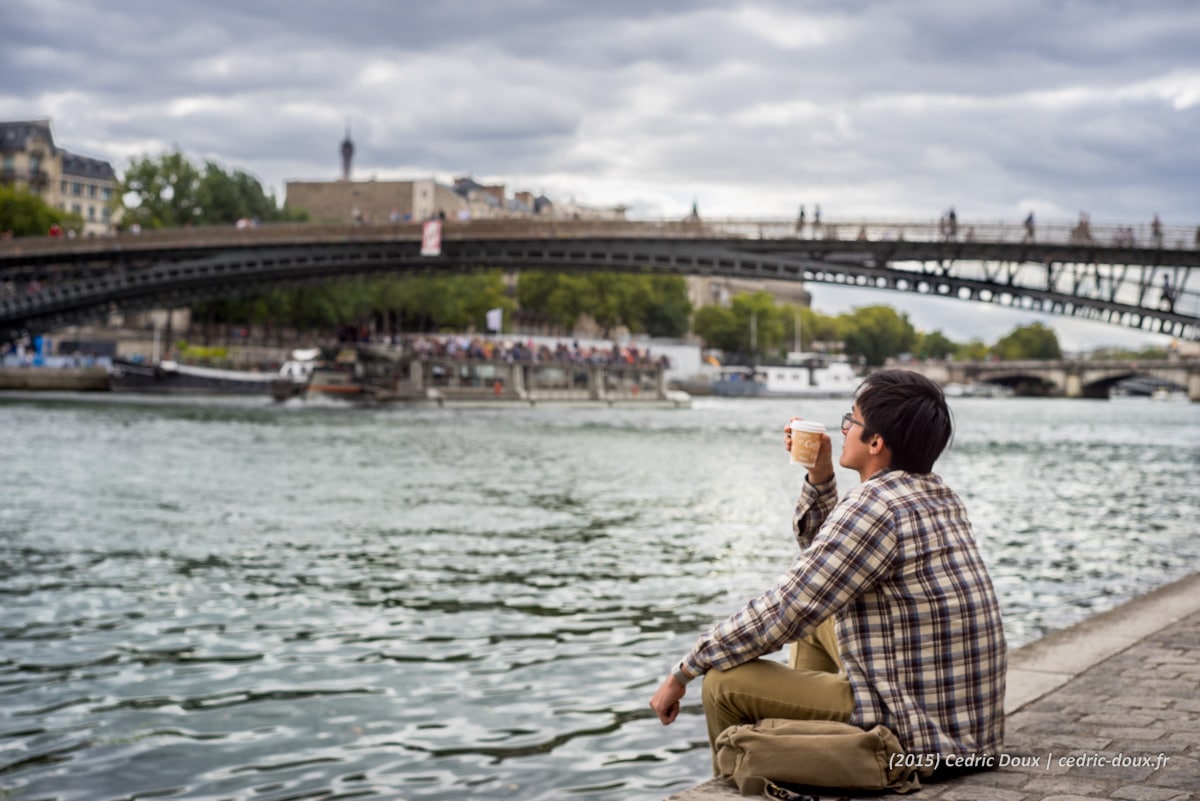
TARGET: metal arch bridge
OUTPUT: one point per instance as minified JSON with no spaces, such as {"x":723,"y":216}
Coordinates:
{"x":1114,"y":274}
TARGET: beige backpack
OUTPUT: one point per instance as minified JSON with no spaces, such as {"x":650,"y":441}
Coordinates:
{"x":816,"y":753}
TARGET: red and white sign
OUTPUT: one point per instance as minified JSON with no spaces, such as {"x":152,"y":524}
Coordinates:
{"x":431,"y":238}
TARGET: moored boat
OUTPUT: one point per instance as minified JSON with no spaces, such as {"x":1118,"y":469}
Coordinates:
{"x":805,"y":376}
{"x":171,"y":377}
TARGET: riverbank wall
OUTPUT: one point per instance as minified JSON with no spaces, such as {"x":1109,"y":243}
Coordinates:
{"x":64,"y":379}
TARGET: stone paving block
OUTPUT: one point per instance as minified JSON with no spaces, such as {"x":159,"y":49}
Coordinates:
{"x":1107,"y":772}
{"x":1065,"y":698}
{"x":1142,"y":734}
{"x":974,"y":793}
{"x":1033,"y":720}
{"x":1180,"y":689}
{"x":1001,"y":777}
{"x":1061,"y":743}
{"x":1189,"y":704}
{"x":1167,"y":745}
{"x":1117,"y":719}
{"x":1038,"y":786}
{"x":1141,"y":701}
{"x":1179,"y":659}
{"x":1170,"y":716}
{"x":1188,"y":724}
{"x":1190,"y":737}
{"x":1036,"y":732}
{"x":1182,"y":772}
{"x":1139,"y":792}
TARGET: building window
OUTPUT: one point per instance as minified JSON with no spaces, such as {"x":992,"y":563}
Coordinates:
{"x":35,"y":165}
{"x":105,"y":215}
{"x":8,"y":164}
{"x":77,"y":189}
{"x":91,"y":190}
{"x":106,"y":192}
{"x":76,"y":208}
{"x":62,"y":187}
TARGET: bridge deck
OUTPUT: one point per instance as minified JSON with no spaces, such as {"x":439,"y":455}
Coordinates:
{"x":1106,"y":273}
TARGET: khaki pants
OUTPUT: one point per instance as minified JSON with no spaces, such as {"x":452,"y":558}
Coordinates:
{"x":809,"y":687}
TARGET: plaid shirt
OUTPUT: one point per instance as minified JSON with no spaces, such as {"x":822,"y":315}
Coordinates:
{"x":918,"y":624}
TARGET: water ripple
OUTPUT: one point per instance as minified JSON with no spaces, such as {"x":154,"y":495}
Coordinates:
{"x":280,"y":603}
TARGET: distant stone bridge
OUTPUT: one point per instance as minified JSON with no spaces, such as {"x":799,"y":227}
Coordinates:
{"x":1067,"y":378}
{"x":1122,"y":275}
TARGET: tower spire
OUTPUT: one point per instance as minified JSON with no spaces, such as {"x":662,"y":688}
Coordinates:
{"x":347,"y":152}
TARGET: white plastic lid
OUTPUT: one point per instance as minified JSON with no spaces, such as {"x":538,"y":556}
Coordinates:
{"x":808,"y":425}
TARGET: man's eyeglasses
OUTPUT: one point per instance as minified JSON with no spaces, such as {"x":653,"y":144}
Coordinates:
{"x":848,"y":421}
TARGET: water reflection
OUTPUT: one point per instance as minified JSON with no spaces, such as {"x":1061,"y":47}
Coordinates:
{"x":244,"y":601}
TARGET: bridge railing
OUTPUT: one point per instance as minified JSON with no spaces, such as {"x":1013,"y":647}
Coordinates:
{"x":1112,"y":234}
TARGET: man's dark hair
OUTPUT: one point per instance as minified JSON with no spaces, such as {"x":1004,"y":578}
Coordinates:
{"x":909,"y":411}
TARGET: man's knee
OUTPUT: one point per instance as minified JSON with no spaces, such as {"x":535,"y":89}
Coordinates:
{"x":754,"y":679}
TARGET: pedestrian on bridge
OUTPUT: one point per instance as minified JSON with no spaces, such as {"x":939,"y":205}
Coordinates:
{"x":800,"y":223}
{"x":1028,"y":228}
{"x":1156,"y":231}
{"x":1168,"y":294}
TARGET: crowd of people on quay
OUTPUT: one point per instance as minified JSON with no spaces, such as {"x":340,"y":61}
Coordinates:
{"x":511,"y":350}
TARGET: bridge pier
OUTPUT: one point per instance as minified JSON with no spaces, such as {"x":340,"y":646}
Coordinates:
{"x":1067,"y":378}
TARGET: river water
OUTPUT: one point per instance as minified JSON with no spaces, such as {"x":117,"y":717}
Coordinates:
{"x":226,"y":599}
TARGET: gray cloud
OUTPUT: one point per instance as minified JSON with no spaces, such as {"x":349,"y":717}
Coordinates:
{"x":866,"y":107}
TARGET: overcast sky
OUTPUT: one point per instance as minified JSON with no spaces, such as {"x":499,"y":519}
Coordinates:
{"x":893,"y":110}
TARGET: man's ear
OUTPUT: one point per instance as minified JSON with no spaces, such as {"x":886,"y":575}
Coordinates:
{"x":876,"y":445}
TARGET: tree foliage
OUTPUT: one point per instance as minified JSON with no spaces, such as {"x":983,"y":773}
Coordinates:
{"x":934,"y":345}
{"x":392,"y":304}
{"x":876,"y":332}
{"x":974,"y":351}
{"x":171,"y":192}
{"x":26,"y":214}
{"x":652,"y":304}
{"x":1033,"y":341}
{"x":751,"y":326}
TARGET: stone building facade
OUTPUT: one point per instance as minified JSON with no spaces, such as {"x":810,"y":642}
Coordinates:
{"x":372,"y":201}
{"x":64,"y":180}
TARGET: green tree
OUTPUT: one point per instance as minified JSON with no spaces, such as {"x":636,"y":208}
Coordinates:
{"x":814,"y":327}
{"x":761,"y":324}
{"x":170,"y":192}
{"x":752,"y":326}
{"x":26,"y":214}
{"x":228,"y":197}
{"x":934,"y":345}
{"x":718,"y":328}
{"x":1033,"y":341}
{"x":877,"y":332}
{"x":557,"y":298}
{"x":974,"y":351}
{"x":164,"y":191}
{"x":657,"y":305}
{"x":391,"y":304}
{"x":663,"y":308}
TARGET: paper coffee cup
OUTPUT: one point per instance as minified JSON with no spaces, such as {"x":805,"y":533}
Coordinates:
{"x":806,"y":442}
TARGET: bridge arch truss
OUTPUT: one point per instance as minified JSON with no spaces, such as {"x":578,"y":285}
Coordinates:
{"x":47,"y":286}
